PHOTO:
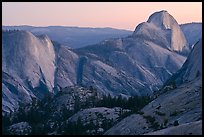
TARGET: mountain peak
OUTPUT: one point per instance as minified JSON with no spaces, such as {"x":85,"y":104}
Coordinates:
{"x":162,"y":19}
{"x":157,"y":29}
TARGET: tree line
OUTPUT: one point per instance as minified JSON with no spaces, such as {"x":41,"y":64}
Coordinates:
{"x":39,"y":114}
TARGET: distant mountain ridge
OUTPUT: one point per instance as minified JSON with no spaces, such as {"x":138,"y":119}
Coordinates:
{"x":76,"y":37}
{"x":73,"y":37}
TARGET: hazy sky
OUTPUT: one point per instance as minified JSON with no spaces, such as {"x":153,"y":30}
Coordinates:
{"x":123,"y":15}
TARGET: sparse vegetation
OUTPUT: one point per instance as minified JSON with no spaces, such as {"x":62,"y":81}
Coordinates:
{"x":160,"y":113}
{"x":149,"y":119}
{"x":140,"y":112}
{"x":175,"y":113}
{"x":165,"y":122}
{"x":197,"y":73}
{"x":158,"y":107}
{"x":154,"y":124}
{"x":176,"y":123}
{"x":170,"y":85}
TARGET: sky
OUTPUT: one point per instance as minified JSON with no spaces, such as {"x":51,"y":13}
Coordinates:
{"x":121,"y":15}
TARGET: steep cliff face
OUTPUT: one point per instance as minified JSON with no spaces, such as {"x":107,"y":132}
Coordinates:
{"x":28,"y":58}
{"x":32,"y":67}
{"x":192,"y":68}
{"x":66,"y":67}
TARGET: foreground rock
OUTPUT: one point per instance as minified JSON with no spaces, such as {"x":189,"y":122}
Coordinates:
{"x":22,"y":128}
{"x":192,"y":128}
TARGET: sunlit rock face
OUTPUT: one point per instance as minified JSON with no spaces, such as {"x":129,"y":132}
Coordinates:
{"x":163,"y":27}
